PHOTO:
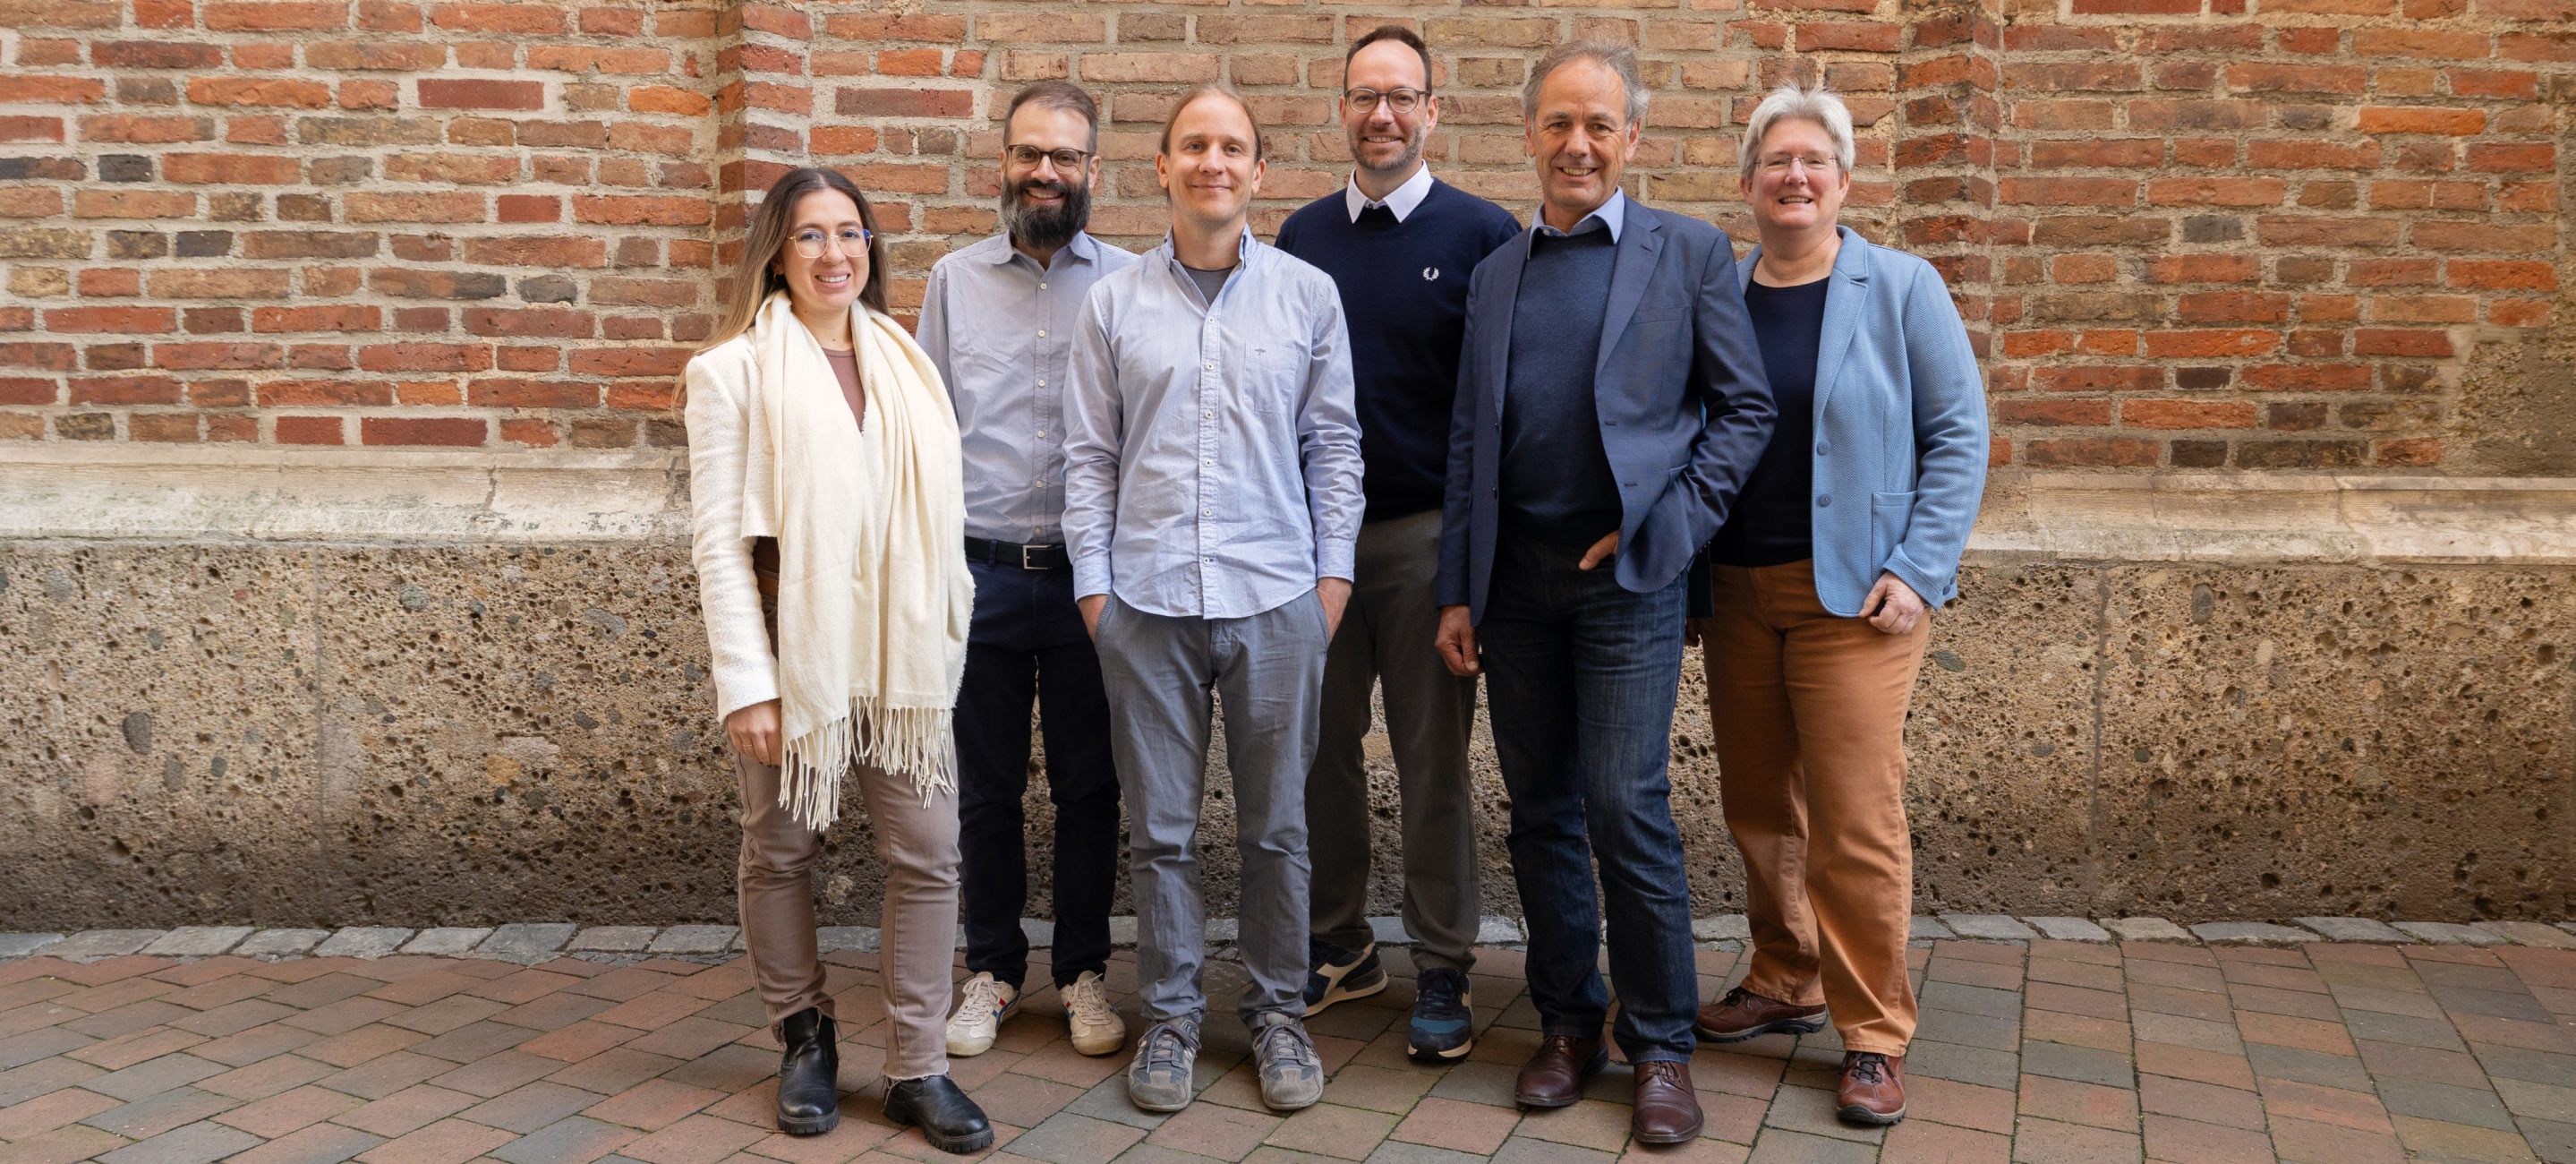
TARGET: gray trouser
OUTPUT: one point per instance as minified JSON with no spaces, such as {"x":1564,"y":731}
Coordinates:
{"x":1269,"y":671}
{"x":1386,"y":638}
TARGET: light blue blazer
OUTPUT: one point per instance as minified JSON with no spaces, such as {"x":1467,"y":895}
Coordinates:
{"x":1900,"y":456}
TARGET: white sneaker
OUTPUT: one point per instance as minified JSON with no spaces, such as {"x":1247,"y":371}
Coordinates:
{"x":982,"y":1004}
{"x":1096,"y":1027}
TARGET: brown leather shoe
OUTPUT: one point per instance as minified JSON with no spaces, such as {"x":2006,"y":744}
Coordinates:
{"x":1743,"y":1015}
{"x":1872,"y":1091}
{"x":1667,"y":1107}
{"x":1554,"y":1077}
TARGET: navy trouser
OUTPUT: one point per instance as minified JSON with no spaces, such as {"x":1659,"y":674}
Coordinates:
{"x":1028,"y":644}
{"x":1580,"y":679}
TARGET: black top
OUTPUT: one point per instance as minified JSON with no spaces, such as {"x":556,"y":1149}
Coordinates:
{"x":1404,"y":297}
{"x":1556,"y":481}
{"x":1774,"y":520}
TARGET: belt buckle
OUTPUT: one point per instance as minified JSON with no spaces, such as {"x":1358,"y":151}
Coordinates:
{"x":1025,"y":563}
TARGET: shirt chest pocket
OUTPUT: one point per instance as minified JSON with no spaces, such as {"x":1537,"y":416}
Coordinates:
{"x":1275,"y":375}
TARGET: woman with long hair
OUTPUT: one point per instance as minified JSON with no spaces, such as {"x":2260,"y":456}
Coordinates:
{"x":829,"y":538}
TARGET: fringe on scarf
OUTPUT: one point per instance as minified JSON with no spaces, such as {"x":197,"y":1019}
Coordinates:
{"x":907,"y":741}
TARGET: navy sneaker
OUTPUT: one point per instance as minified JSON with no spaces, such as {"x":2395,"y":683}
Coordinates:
{"x":1444,"y":1021}
{"x":1334,"y":974}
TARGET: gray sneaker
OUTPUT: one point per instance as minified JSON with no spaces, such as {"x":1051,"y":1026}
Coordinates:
{"x":1159,"y":1079}
{"x":1292,"y":1074}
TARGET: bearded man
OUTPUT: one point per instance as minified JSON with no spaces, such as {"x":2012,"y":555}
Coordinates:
{"x":999,"y":319}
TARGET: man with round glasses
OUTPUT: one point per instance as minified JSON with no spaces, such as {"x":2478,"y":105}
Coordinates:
{"x":1399,"y":245}
{"x":998,"y":320}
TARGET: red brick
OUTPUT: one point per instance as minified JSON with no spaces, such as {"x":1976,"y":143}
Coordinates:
{"x":2420,"y":119}
{"x":389,"y":430}
{"x":2185,"y":414}
{"x":2216,"y":191}
{"x":481,"y":94}
{"x":2422,"y":43}
{"x":52,"y":90}
{"x":2091,"y":451}
{"x":125,"y":390}
{"x":2395,"y":342}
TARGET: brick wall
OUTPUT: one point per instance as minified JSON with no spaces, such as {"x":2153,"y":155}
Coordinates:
{"x":2251,"y":234}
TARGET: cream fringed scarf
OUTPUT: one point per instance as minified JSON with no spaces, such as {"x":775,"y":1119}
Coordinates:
{"x":873,"y":595}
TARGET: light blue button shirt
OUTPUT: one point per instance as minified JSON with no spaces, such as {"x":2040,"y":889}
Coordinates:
{"x":1214,"y":466}
{"x":1612,"y":215}
{"x":1000,"y":330}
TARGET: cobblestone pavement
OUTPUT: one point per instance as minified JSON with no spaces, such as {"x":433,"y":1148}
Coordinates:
{"x":2034,"y":1051}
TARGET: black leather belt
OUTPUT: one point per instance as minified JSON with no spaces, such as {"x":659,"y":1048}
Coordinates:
{"x":1015,"y":554}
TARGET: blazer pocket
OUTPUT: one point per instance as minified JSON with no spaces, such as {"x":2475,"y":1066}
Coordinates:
{"x":1890,"y":515}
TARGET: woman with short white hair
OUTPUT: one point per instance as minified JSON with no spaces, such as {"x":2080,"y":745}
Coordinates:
{"x":1848,"y":530}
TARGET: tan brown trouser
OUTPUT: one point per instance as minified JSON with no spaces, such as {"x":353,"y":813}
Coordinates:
{"x":917,"y":843}
{"x":1809,"y":711}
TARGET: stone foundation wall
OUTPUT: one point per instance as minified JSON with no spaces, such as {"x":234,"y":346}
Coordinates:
{"x":322,"y":732}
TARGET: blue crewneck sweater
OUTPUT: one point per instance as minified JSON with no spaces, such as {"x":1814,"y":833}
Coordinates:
{"x":1404,"y":295}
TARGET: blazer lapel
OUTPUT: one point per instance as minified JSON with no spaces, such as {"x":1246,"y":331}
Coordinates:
{"x":1844,"y":294}
{"x":1496,"y":359}
{"x":1641,"y":240}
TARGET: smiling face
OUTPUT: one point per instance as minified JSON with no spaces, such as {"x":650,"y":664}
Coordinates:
{"x":831,"y":280}
{"x":1787,"y":192}
{"x":1042,"y":204}
{"x":1582,"y":139}
{"x":1208,"y":166}
{"x":1382,"y":140}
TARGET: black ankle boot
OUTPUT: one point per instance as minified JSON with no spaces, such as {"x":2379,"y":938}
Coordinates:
{"x":949,"y":1120}
{"x":809,"y":1094}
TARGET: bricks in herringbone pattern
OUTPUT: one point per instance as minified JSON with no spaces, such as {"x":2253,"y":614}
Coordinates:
{"x":2038,"y":1052}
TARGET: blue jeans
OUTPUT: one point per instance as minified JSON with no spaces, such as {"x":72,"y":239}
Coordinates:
{"x":1580,"y":679}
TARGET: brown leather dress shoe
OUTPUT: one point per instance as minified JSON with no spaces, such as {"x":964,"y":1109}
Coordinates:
{"x":1872,"y":1091}
{"x":1667,"y":1107}
{"x":1743,"y":1015}
{"x":1554,"y":1077}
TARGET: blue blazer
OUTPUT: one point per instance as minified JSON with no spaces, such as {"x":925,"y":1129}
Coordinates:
{"x":1684,"y":407}
{"x":1900,"y":456}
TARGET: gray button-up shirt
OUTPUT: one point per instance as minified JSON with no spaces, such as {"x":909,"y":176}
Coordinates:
{"x":1214,"y":470}
{"x":1000,"y":331}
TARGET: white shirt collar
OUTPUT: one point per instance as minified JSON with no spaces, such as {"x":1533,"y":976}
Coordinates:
{"x":1400,"y":202}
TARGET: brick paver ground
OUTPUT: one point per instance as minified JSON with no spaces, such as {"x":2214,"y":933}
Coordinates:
{"x":2036,"y":1052}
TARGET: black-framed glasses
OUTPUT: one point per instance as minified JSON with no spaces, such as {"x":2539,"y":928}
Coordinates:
{"x":1028,"y":156}
{"x":852,"y":241}
{"x":1402,"y":101}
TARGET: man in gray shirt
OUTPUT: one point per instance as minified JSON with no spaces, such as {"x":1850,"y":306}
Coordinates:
{"x":998,"y":319}
{"x":1212,"y":501}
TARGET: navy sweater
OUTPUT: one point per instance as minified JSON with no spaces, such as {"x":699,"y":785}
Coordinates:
{"x":1773,"y":520}
{"x":1404,"y":294}
{"x":1556,"y":479}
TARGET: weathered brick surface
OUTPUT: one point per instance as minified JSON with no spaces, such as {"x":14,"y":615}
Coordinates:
{"x":2186,"y":235}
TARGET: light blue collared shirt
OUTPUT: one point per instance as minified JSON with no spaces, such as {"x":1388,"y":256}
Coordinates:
{"x":1214,"y":465}
{"x":1612,"y":215}
{"x":1000,"y":331}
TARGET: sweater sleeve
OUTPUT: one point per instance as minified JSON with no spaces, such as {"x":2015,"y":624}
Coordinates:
{"x":746,"y":672}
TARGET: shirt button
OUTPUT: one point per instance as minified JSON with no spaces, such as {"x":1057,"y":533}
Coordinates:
{"x":1824,"y":502}
{"x":1042,"y":333}
{"x":1041,"y":286}
{"x":1042,"y":382}
{"x":1207,"y":513}
{"x":1822,"y":448}
{"x":1207,"y":415}
{"x":1211,"y":367}
{"x":1041,"y":432}
{"x":1207,"y":462}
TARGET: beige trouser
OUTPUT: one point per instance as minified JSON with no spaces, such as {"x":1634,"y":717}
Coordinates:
{"x":917,"y":843}
{"x":1809,"y":709}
